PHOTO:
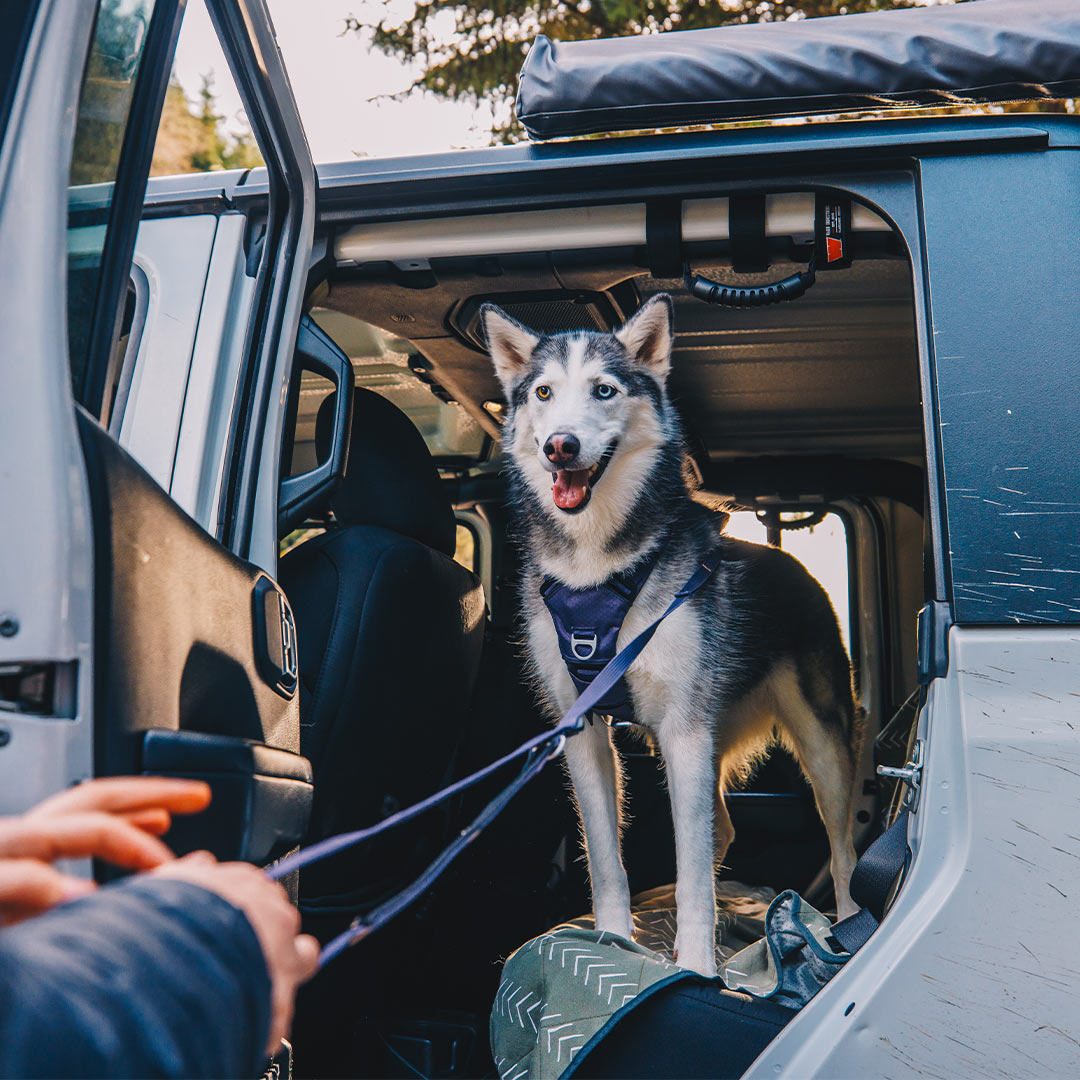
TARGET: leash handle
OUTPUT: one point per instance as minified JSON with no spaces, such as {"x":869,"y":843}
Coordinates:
{"x":541,"y":749}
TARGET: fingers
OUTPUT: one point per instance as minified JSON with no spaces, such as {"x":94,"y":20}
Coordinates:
{"x":126,"y":794}
{"x":155,"y":820}
{"x":307,"y":951}
{"x":78,"y":835}
{"x":300,"y":966}
{"x":28,"y":887}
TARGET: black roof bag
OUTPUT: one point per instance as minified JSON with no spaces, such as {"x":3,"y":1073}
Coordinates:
{"x":982,"y":51}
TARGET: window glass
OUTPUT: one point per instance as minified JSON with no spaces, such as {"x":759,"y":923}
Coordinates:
{"x":821,"y":548}
{"x":465,"y":547}
{"x":16,"y":20}
{"x":203,"y":127}
{"x":104,"y":106}
{"x":314,"y":390}
{"x":393,"y":367}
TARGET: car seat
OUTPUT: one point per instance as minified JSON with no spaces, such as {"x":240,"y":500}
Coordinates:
{"x":390,"y":630}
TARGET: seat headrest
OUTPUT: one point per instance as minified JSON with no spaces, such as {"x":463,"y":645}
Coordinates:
{"x":391,"y":479}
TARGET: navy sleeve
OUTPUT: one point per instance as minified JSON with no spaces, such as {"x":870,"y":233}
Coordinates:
{"x":149,"y":977}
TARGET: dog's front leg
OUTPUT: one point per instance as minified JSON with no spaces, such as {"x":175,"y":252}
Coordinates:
{"x":687,"y":748}
{"x":597,"y":778}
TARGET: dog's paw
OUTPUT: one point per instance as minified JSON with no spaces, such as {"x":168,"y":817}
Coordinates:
{"x":703,"y":961}
{"x":619,"y":923}
{"x":846,"y":908}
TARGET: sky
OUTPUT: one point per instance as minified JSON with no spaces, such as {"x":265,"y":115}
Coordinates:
{"x":334,"y":78}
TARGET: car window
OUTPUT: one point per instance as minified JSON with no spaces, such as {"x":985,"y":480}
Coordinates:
{"x":105,"y":103}
{"x":204,"y":126}
{"x":16,"y":19}
{"x":465,"y":547}
{"x":822,"y":547}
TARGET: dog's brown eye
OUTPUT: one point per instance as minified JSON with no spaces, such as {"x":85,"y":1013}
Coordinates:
{"x":543,"y":392}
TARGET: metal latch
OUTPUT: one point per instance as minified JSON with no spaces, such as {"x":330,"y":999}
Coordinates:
{"x":910,"y":775}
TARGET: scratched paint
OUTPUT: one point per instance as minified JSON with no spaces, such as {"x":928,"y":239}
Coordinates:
{"x":1005,"y":332}
{"x":976,"y":970}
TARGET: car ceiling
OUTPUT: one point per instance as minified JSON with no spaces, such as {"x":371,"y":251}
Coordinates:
{"x":834,"y":372}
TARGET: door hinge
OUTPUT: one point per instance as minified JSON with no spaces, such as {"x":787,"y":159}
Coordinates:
{"x":935,"y":621}
{"x":910,"y":775}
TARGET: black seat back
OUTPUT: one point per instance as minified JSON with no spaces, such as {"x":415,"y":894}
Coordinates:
{"x":390,"y":631}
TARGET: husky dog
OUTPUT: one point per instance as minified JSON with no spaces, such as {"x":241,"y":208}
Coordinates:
{"x":596,"y":468}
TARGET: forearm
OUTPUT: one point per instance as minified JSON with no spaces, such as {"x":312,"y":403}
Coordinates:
{"x":152,"y":977}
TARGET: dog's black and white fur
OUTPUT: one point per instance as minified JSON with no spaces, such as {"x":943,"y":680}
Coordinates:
{"x":596,"y":462}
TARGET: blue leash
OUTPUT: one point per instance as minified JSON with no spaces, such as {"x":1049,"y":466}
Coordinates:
{"x":537,"y":751}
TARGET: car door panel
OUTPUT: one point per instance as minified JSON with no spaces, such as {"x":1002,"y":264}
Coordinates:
{"x":138,"y":622}
{"x":46,"y":571}
{"x":176,"y":619}
{"x":214,"y":374}
{"x":186,"y":646}
{"x":173,"y":255}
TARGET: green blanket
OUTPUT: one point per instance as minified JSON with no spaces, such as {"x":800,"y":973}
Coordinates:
{"x":562,"y":990}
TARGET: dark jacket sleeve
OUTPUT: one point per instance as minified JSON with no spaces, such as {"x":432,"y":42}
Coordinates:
{"x":150,"y":977}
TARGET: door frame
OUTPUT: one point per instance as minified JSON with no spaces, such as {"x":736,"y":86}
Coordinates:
{"x":248,"y":509}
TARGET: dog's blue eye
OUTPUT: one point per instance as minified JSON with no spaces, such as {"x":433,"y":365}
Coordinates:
{"x":605,"y":391}
{"x":543,"y":392}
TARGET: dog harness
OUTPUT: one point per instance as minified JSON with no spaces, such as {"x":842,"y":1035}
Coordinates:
{"x":588,"y":622}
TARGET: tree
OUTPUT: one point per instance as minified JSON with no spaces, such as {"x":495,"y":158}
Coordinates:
{"x":195,"y":139}
{"x":479,"y":58}
{"x":108,"y":84}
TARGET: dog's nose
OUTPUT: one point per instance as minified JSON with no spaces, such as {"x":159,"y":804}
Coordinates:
{"x":562,"y":448}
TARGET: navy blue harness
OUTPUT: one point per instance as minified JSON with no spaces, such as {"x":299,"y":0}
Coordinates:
{"x":588,"y":622}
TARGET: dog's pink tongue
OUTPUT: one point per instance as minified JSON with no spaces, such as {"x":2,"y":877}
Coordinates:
{"x":570,"y":488}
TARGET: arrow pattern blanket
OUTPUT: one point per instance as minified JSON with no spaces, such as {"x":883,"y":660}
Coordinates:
{"x":562,"y":990}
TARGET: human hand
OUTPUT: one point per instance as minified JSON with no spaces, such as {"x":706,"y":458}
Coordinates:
{"x":291,"y":957}
{"x":147,"y":802}
{"x":116,"y":819}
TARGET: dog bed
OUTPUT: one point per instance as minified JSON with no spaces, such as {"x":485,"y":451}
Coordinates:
{"x":561,"y":992}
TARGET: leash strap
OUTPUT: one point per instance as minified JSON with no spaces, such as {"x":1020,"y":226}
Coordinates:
{"x":379,"y":916}
{"x":538,"y":751}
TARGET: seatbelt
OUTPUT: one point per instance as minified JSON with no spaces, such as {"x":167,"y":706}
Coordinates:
{"x":872,"y":881}
{"x":537,"y":751}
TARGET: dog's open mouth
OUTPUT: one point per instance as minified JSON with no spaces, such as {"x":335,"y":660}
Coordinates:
{"x":573,"y":487}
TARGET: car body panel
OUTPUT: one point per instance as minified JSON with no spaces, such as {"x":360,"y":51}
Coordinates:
{"x":48,"y":551}
{"x":973,"y":971}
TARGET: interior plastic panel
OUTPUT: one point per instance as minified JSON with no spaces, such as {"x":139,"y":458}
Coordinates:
{"x":175,"y":636}
{"x":261,"y":796}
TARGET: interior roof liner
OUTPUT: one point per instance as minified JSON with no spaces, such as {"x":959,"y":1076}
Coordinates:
{"x":985,"y":51}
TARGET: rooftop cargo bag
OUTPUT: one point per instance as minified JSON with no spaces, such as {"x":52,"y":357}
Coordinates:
{"x":983,"y":51}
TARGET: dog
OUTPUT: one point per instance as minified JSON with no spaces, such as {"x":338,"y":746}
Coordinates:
{"x":596,"y":471}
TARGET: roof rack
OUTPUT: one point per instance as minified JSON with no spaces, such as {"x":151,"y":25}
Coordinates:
{"x":976,"y":52}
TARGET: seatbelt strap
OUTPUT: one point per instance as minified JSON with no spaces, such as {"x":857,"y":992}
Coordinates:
{"x":872,"y":881}
{"x":538,"y":751}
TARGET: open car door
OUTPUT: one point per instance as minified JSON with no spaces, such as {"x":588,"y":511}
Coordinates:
{"x":131,"y":638}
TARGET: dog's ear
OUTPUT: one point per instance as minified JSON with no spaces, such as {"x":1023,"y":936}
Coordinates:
{"x":509,"y":343}
{"x":648,"y":336}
